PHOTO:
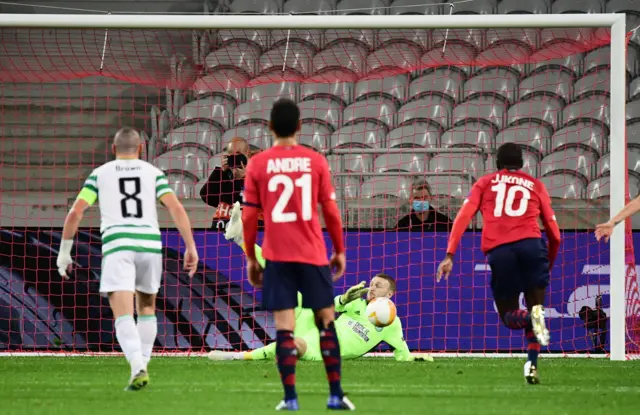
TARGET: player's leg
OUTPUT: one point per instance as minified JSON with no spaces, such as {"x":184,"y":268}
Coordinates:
{"x":148,"y":280}
{"x":506,"y":287}
{"x":316,"y":286}
{"x":118,"y":282}
{"x":280,"y":296}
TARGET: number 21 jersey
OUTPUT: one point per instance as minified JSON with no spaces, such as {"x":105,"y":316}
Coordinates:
{"x":288,"y":183}
{"x":127,"y":190}
{"x":510,"y":203}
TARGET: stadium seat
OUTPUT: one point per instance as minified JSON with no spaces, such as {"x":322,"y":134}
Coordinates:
{"x":269,"y":88}
{"x":476,"y":7}
{"x":348,"y":187}
{"x":256,"y":37}
{"x":604,"y":165}
{"x":455,"y":57}
{"x":414,"y":135}
{"x":580,"y":135}
{"x":469,"y":135}
{"x":253,"y":7}
{"x":360,"y":37}
{"x":633,"y":111}
{"x":415,"y":37}
{"x":199,"y":134}
{"x":564,"y":186}
{"x":471,"y":163}
{"x":548,"y":82}
{"x":467,"y":37}
{"x":242,"y":57}
{"x":634,"y":89}
{"x":319,"y":7}
{"x":399,"y":7}
{"x":450,"y":186}
{"x":411,"y":163}
{"x":373,"y":7}
{"x":225,"y":82}
{"x":523,"y":7}
{"x":251,"y":112}
{"x":295,"y":57}
{"x":346,"y":57}
{"x":570,"y":160}
{"x":601,"y":58}
{"x":514,"y":55}
{"x":590,"y":109}
{"x":440,"y":82}
{"x":577,"y":6}
{"x":533,"y":136}
{"x":633,"y":162}
{"x":351,"y":163}
{"x":217,"y":110}
{"x":314,"y":135}
{"x":377,"y":110}
{"x":577,"y":37}
{"x":545,"y":110}
{"x":362,"y":135}
{"x":390,"y":186}
{"x":310,"y":37}
{"x":390,"y":87}
{"x":484,"y":109}
{"x":554,"y":56}
{"x":526,"y":37}
{"x":396,"y":56}
{"x":601,"y":187}
{"x":182,"y":185}
{"x":623,"y":6}
{"x":184,"y":161}
{"x":633,"y":134}
{"x":323,"y":112}
{"x":257,"y":135}
{"x":493,"y":82}
{"x":329,"y":87}
{"x":432,"y":109}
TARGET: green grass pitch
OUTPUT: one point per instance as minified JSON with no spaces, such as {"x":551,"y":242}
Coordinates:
{"x":192,"y":386}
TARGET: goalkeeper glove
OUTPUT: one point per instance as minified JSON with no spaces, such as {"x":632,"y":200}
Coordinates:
{"x":353,"y":293}
{"x":64,"y":258}
{"x":422,"y":357}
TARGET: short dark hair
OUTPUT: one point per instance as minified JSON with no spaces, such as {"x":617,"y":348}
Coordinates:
{"x":285,"y":118}
{"x":509,"y":157}
{"x":389,"y":278}
{"x":421,"y":185}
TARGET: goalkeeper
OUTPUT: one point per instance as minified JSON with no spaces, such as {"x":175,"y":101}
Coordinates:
{"x":357,"y":336}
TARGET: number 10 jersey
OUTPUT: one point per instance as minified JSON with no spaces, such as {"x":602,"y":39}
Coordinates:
{"x":127,"y":190}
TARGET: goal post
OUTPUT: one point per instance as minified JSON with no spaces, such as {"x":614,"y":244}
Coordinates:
{"x":619,"y":264}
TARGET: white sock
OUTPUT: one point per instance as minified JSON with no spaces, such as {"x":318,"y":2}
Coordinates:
{"x":129,"y":340}
{"x":148,"y":330}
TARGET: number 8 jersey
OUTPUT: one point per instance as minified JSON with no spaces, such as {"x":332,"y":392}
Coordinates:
{"x":288,"y":183}
{"x":127,"y":190}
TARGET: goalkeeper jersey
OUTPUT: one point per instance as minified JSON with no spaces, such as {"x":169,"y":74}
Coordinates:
{"x":127,"y":190}
{"x":358,"y":336}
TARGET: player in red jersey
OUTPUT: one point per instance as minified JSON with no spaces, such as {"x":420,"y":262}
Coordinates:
{"x":511,"y":202}
{"x":287,"y":182}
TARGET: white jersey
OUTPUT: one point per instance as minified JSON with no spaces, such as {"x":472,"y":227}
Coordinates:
{"x":127,"y":191}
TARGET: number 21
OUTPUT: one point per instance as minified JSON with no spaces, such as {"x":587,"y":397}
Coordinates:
{"x":278,"y":215}
{"x":507,"y":205}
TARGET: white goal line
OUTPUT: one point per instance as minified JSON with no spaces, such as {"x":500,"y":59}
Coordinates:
{"x":379,"y":355}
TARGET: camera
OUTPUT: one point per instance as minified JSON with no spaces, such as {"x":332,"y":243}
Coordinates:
{"x":236,"y":160}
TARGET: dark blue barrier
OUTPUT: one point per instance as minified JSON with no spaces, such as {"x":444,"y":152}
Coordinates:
{"x":459,"y":314}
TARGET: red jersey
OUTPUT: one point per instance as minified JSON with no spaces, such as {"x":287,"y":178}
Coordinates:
{"x":510,"y":203}
{"x":288,"y":183}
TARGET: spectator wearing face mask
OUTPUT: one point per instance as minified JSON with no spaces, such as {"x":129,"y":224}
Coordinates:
{"x":423,"y":217}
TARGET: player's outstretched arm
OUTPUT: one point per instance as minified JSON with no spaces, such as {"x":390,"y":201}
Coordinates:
{"x":71,"y":224}
{"x":332,"y":220}
{"x":353,"y":293}
{"x":550,"y":225}
{"x":604,"y":230}
{"x":181,"y":219}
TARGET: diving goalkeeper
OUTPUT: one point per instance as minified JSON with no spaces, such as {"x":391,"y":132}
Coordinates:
{"x":357,"y":336}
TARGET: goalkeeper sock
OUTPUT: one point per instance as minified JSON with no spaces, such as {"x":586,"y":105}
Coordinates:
{"x":148,"y":330}
{"x":129,"y":341}
{"x":533,"y":347}
{"x":263,"y":353}
{"x":517,"y":319}
{"x":330,"y":349}
{"x":287,"y":357}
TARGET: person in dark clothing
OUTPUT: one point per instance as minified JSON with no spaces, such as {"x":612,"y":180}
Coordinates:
{"x":225,"y":183}
{"x":423,"y":217}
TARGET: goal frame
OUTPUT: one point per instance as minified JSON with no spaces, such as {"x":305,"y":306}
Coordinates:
{"x":615,"y":21}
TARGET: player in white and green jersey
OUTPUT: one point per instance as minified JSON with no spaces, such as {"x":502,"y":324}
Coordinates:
{"x":357,"y":336}
{"x":127,"y":189}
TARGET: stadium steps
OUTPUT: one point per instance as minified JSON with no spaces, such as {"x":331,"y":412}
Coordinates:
{"x":44,"y":151}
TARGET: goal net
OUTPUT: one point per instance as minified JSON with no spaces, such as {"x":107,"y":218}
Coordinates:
{"x":408,"y":120}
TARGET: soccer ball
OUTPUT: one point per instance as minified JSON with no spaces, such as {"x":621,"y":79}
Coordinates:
{"x":381,"y":312}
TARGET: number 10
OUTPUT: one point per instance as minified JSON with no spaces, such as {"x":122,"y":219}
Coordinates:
{"x":507,"y":205}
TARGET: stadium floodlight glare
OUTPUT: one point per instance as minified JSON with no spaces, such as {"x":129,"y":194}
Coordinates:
{"x":616,"y":94}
